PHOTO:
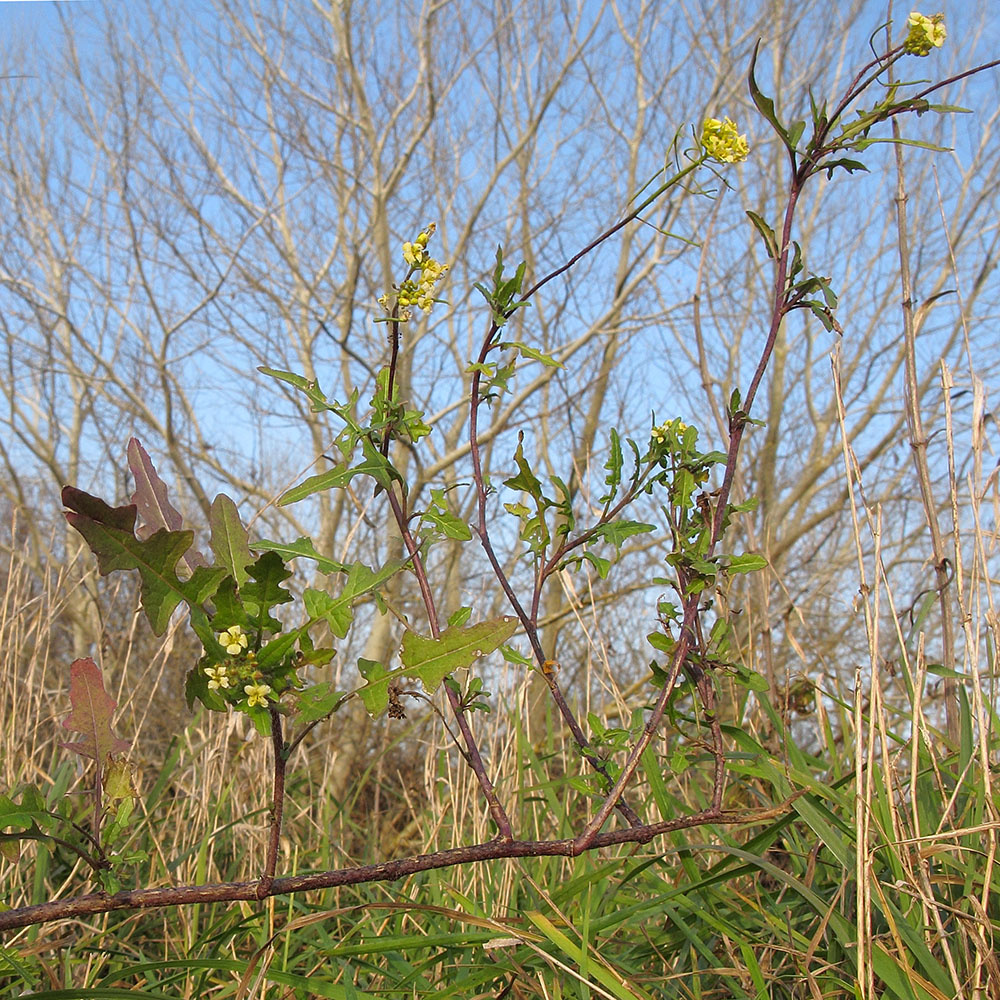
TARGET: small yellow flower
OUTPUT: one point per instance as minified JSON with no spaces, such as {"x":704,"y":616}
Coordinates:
{"x":926,"y":33}
{"x":233,"y":640}
{"x":257,"y":693}
{"x":218,"y":677}
{"x":722,"y":142}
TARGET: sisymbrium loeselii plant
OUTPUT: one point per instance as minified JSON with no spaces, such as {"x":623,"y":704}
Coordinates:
{"x":266,"y":641}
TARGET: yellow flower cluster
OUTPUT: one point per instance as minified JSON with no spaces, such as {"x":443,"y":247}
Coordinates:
{"x":659,"y":435}
{"x":722,"y":142}
{"x":218,"y":677}
{"x":925,"y":33}
{"x":425,"y":272}
{"x":223,"y":676}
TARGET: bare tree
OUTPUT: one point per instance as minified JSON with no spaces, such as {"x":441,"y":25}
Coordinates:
{"x":191,"y":195}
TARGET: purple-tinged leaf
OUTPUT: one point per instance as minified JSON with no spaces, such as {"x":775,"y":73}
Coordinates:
{"x":92,"y":712}
{"x":150,"y":497}
{"x":151,"y":501}
{"x":109,"y":531}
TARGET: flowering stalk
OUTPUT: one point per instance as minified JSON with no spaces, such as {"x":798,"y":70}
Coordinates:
{"x":413,"y":291}
{"x":722,"y":143}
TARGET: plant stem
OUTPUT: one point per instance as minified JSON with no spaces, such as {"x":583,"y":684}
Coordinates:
{"x":472,"y":753}
{"x":279,"y":752}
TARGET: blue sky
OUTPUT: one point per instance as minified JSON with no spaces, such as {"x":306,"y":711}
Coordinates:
{"x":39,"y":16}
{"x":593,"y":169}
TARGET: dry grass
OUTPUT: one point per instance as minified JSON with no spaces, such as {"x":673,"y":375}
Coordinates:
{"x":877,"y":874}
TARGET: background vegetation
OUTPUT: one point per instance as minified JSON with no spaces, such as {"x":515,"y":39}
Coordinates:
{"x":192,"y":193}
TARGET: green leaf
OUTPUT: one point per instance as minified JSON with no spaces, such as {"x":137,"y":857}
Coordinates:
{"x":851,"y":166}
{"x":613,"y":465}
{"x":448,"y":523}
{"x":823,"y":314}
{"x":335,"y":478}
{"x":618,"y":531}
{"x":273,"y":652}
{"x":796,"y":265}
{"x":376,"y":465}
{"x":748,"y":563}
{"x":752,"y":680}
{"x":517,"y":509}
{"x":303,"y":548}
{"x":603,"y":566}
{"x":533,"y":353}
{"x":460,"y":617}
{"x":664,"y":643}
{"x":196,"y":689}
{"x":12,"y":814}
{"x":525,"y":479}
{"x":230,"y":540}
{"x":766,"y":234}
{"x":500,"y":297}
{"x":229,"y":608}
{"x":337,"y":611}
{"x":261,"y":719}
{"x":264,"y":591}
{"x":317,"y":702}
{"x":309,"y":387}
{"x":765,"y":105}
{"x":511,"y":655}
{"x":433,"y":659}
{"x":110,"y":533}
{"x":863,"y":144}
{"x":375,"y":694}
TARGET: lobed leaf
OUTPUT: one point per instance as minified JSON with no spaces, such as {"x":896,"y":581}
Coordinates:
{"x":261,"y":593}
{"x":152,"y":503}
{"x":432,"y":660}
{"x":304,"y":548}
{"x":230,"y":541}
{"x":110,"y":533}
{"x":92,"y":713}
